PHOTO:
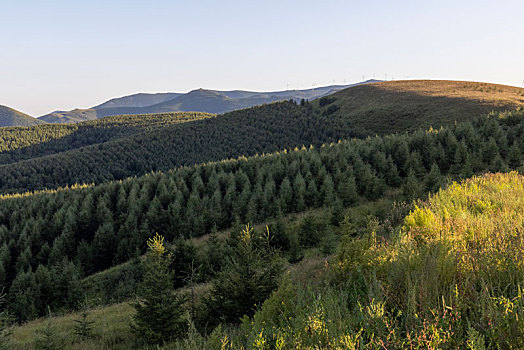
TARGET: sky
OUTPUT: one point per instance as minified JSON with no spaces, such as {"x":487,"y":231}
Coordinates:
{"x":60,"y":55}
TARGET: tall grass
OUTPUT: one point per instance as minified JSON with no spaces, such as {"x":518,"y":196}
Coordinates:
{"x":449,"y":277}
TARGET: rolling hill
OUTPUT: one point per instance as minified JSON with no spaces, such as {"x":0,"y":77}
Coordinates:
{"x":200,"y":100}
{"x":11,"y":117}
{"x":398,"y":106}
{"x":17,"y":144}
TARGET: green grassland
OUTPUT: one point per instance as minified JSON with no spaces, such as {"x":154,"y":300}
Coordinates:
{"x":111,"y":330}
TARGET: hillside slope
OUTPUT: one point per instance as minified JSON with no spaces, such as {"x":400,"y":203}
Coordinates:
{"x":73,"y":116}
{"x":132,"y":104}
{"x":450,"y":276}
{"x":12,"y":117}
{"x":398,"y":106}
{"x":17,"y":144}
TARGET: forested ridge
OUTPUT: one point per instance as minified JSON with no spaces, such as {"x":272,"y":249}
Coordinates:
{"x":20,"y":143}
{"x":262,"y":129}
{"x":52,"y":239}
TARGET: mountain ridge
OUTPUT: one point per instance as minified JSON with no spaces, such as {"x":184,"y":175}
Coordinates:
{"x":198,"y":100}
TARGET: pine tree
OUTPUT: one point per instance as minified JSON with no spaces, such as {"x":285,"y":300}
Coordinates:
{"x":498,"y":165}
{"x":286,"y":196}
{"x":158,"y":313}
{"x":416,"y":165}
{"x":461,"y":164}
{"x":184,"y":255}
{"x":311,"y":191}
{"x":295,"y":252}
{"x":215,"y":208}
{"x":280,"y":236}
{"x":24,"y":296}
{"x":413,"y":187}
{"x":249,"y":278}
{"x":337,"y":212}
{"x":434,"y":179}
{"x":327,"y":191}
{"x":347,"y":190}
{"x":514,"y":156}
{"x":47,"y":338}
{"x":83,"y":327}
{"x":299,"y":193}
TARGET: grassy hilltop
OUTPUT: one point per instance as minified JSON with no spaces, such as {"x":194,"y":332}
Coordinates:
{"x":398,"y":106}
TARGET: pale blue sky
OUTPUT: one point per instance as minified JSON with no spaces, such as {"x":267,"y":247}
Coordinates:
{"x":66,"y":54}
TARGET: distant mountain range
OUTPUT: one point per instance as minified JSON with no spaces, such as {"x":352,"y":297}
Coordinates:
{"x":200,"y":100}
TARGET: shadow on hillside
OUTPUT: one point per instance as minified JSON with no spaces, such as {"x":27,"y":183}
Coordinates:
{"x":384,"y":111}
{"x":84,"y":136}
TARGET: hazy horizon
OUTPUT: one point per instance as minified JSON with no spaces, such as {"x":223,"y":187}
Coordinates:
{"x":67,"y":55}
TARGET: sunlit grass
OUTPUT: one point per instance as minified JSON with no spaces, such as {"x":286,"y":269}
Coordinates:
{"x":449,"y":277}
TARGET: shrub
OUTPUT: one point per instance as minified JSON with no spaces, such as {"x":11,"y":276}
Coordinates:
{"x":247,"y":280}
